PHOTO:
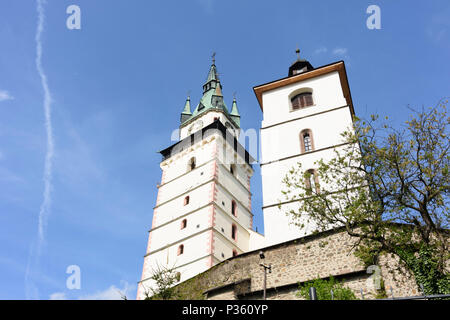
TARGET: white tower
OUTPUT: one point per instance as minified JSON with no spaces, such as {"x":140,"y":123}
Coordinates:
{"x":203,"y":209}
{"x":304,"y":115}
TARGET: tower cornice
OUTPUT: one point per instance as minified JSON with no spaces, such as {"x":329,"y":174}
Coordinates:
{"x":333,"y":67}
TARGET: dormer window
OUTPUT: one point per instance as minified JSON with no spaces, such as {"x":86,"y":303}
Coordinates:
{"x":302,"y":100}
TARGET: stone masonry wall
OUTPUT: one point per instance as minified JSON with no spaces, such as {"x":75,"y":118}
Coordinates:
{"x":307,"y":258}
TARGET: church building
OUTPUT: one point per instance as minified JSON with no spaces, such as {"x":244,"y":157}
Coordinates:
{"x":203,"y":212}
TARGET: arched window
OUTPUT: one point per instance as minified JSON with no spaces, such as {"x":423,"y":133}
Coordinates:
{"x":183,"y":224}
{"x":306,"y":141}
{"x":191,"y":164}
{"x":180,"y":249}
{"x":186,"y":200}
{"x":234,"y":208}
{"x":312,"y":181}
{"x":233,"y":232}
{"x":301,"y":100}
{"x":235,"y":253}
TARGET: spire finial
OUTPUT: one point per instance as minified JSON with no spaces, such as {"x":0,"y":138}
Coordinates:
{"x":298,"y":53}
{"x":214,"y":57}
{"x":234,"y":95}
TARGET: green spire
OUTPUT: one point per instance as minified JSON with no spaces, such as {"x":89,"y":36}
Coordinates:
{"x":235,"y":113}
{"x":212,"y":75}
{"x":234,"y":109}
{"x":212,"y":99}
{"x":186,"y":114}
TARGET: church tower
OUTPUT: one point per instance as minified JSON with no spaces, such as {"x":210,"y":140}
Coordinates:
{"x":304,"y":115}
{"x":203,"y":210}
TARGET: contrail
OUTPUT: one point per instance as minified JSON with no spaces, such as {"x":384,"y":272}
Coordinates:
{"x":35,"y":250}
{"x":45,"y":206}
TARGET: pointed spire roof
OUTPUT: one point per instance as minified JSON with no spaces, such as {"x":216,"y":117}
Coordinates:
{"x":234,"y":108}
{"x":235,"y":113}
{"x":212,"y":99}
{"x":212,"y":74}
{"x":187,"y":106}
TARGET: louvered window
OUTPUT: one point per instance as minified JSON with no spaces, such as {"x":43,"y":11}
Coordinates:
{"x":302,"y":100}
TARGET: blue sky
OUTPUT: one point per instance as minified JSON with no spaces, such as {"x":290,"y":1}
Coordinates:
{"x":118,"y":86}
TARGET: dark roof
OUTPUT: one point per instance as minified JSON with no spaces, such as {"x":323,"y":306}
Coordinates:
{"x":190,"y":140}
{"x":299,"y":65}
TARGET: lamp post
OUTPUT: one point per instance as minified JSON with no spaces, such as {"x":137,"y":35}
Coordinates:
{"x":269,"y":267}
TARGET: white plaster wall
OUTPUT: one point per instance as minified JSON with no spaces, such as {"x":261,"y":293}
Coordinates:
{"x":256,"y":240}
{"x":225,"y":222}
{"x":283,"y":141}
{"x":327,"y":94}
{"x":278,"y":226}
{"x":186,"y":183}
{"x":175,"y":208}
{"x":224,"y":199}
{"x":171,"y":232}
{"x":222,"y":244}
{"x":273,"y":173}
{"x":177,"y":165}
{"x":227,"y":179}
{"x":205,"y":120}
{"x":194,"y":248}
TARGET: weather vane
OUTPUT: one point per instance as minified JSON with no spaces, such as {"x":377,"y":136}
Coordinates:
{"x":214,"y":58}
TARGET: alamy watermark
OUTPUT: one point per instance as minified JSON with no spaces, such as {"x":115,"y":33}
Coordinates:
{"x":73,"y":282}
{"x":374,"y":20}
{"x":74,"y":20}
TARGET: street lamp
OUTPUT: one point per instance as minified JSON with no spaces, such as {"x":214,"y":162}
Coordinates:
{"x":269,"y":267}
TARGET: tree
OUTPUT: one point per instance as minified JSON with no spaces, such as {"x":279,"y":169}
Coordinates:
{"x":388,"y":188}
{"x":164,"y":280}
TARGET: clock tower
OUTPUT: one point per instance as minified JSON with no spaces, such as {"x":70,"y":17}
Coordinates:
{"x":203,"y":211}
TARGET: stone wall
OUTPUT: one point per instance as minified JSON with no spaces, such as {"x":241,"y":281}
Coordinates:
{"x":316,"y":256}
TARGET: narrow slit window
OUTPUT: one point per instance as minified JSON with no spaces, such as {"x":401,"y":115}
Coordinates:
{"x":191,"y":164}
{"x":233,"y":232}
{"x":180,"y":249}
{"x":234,"y":208}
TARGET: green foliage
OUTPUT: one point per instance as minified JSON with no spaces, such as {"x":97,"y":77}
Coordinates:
{"x":164,"y":280}
{"x":424,"y":264}
{"x":389,"y":187}
{"x":323,"y":290}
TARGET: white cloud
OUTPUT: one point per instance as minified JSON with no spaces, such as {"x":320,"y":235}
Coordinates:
{"x":58,"y":296}
{"x":340,"y":51}
{"x":4,"y":95}
{"x":112,"y":293}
